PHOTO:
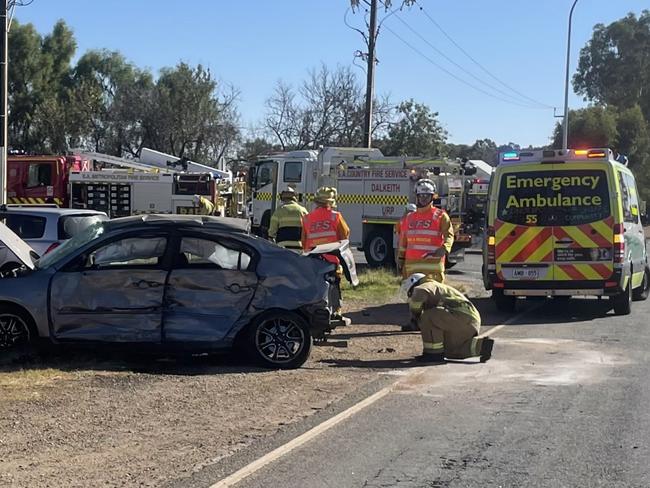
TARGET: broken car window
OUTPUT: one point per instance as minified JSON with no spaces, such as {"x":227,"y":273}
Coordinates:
{"x":202,"y":251}
{"x":135,"y":251}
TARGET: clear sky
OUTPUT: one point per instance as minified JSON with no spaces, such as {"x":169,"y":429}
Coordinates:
{"x":254,"y":43}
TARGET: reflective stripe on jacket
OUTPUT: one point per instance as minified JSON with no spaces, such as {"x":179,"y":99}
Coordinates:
{"x":286,"y":225}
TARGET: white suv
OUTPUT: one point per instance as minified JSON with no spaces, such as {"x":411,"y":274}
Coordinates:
{"x":43,"y":227}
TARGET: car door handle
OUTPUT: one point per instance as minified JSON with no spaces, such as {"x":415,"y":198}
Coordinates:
{"x":142,"y":284}
{"x":237,"y":288}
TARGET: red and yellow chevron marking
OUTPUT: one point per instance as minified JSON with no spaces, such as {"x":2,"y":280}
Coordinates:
{"x":595,"y":234}
{"x":582,"y":271}
{"x":34,"y":200}
{"x":523,"y":244}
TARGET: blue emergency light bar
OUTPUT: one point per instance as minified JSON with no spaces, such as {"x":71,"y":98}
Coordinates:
{"x":556,"y":155}
{"x":510,"y":156}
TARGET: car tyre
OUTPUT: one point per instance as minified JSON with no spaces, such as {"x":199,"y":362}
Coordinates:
{"x":379,"y":249}
{"x":641,"y":293}
{"x":504,"y":303}
{"x":17,"y":332}
{"x":279,"y":339}
{"x":622,"y":303}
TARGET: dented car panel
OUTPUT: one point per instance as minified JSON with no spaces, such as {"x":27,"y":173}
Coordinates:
{"x":167,"y":280}
{"x":204,"y":306}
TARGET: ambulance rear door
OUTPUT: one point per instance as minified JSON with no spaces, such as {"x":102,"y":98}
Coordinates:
{"x":523,"y":230}
{"x":583,"y":222}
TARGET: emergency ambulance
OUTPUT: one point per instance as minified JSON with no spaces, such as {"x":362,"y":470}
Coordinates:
{"x":564,"y":224}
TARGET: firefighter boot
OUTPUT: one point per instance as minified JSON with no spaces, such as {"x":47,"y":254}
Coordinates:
{"x":486,"y":349}
{"x":429,"y":358}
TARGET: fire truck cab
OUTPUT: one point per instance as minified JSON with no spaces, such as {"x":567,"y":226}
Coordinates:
{"x":373,"y":192}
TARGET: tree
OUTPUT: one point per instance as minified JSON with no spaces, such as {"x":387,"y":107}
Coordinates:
{"x":416,"y":133}
{"x":589,"y":127}
{"x":614,"y":66}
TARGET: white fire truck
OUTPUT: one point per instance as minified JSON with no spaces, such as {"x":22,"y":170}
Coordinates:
{"x":120,"y":193}
{"x":373,"y":192}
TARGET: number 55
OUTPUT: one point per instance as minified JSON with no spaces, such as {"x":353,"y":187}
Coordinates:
{"x":531,"y":219}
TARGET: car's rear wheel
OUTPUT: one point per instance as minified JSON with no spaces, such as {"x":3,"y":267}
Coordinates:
{"x":15,"y":330}
{"x":622,"y":303}
{"x":641,"y":293}
{"x":504,"y":303}
{"x":279,"y":339}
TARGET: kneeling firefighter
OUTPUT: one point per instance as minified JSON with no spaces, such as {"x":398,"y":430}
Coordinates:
{"x":448,"y":320}
{"x":324,"y":225}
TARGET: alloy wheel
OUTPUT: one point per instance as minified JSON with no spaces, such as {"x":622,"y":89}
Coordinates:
{"x":279,"y":340}
{"x":13,"y":331}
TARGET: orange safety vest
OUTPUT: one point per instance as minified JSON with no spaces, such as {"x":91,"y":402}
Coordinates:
{"x":423,"y":237}
{"x":320,"y":226}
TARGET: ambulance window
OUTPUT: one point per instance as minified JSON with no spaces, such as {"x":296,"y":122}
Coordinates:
{"x":39,"y":174}
{"x":293,"y":172}
{"x":629,"y":199}
{"x":553,"y":197}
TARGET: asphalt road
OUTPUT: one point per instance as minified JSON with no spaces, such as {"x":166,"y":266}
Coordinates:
{"x":563,"y":403}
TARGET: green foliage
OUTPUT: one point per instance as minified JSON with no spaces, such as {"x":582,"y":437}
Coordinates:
{"x":614,"y":66}
{"x":417,"y":132}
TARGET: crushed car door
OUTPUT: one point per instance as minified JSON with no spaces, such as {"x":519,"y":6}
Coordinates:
{"x":210,"y":286}
{"x":113,"y":293}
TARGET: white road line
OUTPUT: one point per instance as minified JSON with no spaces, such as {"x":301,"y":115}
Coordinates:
{"x":246,"y":471}
{"x":277,"y":453}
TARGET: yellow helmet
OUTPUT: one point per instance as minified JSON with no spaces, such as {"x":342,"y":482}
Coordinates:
{"x":326,"y":195}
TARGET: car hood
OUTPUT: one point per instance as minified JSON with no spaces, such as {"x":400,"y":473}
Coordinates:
{"x":20,"y":248}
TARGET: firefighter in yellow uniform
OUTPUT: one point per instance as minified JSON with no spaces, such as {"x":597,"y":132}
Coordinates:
{"x":448,"y":320}
{"x":286,"y":222}
{"x":203,"y":206}
{"x":426,"y":236}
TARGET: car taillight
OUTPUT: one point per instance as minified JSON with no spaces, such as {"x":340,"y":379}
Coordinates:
{"x":53,"y":246}
{"x":491,"y":253}
{"x":619,"y":243}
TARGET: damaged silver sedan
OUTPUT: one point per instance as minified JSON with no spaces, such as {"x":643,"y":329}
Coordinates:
{"x":201,"y":284}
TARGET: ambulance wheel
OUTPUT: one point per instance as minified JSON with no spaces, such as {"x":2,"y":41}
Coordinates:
{"x":379,"y":249}
{"x":504,"y":303}
{"x":641,"y":293}
{"x":622,"y":303}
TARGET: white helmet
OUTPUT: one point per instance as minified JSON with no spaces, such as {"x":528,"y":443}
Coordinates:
{"x":411,"y":207}
{"x":425,"y":187}
{"x":408,"y":284}
{"x":196,"y":199}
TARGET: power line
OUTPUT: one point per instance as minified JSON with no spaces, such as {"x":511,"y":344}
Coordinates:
{"x":471,"y":58}
{"x":442,"y":68}
{"x":450,"y":60}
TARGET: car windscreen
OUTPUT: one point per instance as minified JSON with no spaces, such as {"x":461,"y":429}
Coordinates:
{"x":90,"y":233}
{"x":553,"y":197}
{"x":71,"y":225}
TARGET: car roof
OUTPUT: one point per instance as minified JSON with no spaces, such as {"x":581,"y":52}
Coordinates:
{"x":199,"y":221}
{"x":45,"y":211}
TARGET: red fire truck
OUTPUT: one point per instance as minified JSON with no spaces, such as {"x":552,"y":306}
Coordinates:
{"x":41,"y":179}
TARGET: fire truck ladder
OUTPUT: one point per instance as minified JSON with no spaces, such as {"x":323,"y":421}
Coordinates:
{"x":122,"y":162}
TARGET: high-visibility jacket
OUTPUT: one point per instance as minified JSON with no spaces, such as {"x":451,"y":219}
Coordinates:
{"x":422,"y":234}
{"x":323,"y":226}
{"x":205,"y":207}
{"x":286,"y":225}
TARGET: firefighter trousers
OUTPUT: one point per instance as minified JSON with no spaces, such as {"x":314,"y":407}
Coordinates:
{"x":450,"y":333}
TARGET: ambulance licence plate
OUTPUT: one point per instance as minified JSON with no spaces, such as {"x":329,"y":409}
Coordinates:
{"x":525,"y":273}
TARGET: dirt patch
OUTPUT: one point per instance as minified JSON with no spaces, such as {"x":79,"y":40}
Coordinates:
{"x":132,"y":421}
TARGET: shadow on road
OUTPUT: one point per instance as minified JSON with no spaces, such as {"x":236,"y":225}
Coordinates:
{"x":70,"y":359}
{"x":376,"y":363}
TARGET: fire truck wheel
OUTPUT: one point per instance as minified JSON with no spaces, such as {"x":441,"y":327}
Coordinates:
{"x":379,"y":249}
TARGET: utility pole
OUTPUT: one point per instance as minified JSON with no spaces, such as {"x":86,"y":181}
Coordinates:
{"x":370,"y":81}
{"x":4,"y":119}
{"x":565,"y":128}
